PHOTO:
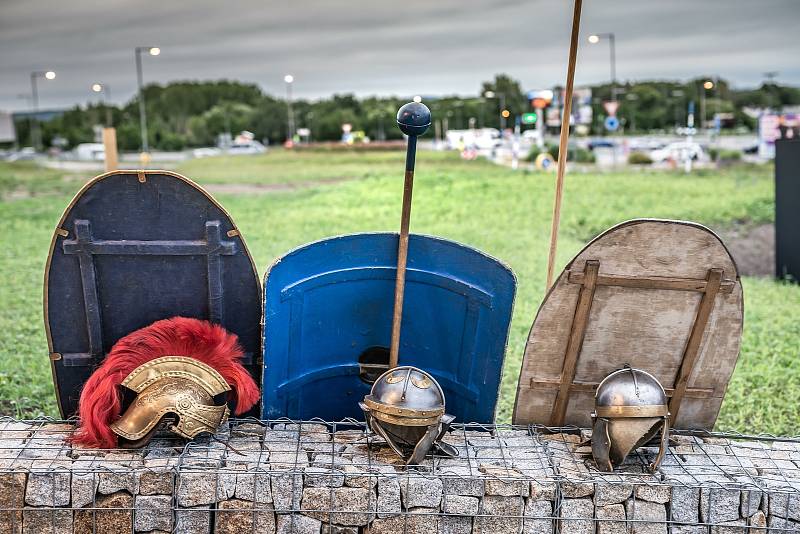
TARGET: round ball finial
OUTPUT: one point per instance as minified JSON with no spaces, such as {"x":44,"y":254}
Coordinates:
{"x":414,"y":118}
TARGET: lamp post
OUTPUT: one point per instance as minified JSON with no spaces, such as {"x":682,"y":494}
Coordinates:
{"x":104,"y":90}
{"x":36,"y":132}
{"x":153,"y":51}
{"x":28,"y":105}
{"x":289,"y":79}
{"x":707,"y":86}
{"x":770,"y":76}
{"x":677,"y":94}
{"x":612,"y":45}
{"x":501,"y":106}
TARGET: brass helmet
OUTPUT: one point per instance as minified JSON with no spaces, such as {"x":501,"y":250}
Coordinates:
{"x":177,"y":387}
{"x":406,"y":408}
{"x":631,"y":407}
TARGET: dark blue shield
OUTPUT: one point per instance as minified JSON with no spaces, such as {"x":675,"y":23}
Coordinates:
{"x":135,"y":247}
{"x":328,"y":314}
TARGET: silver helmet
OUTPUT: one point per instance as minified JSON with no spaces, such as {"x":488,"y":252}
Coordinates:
{"x":630,"y":408}
{"x":406,"y":408}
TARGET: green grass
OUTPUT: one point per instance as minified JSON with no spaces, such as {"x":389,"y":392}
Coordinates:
{"x":282,"y":167}
{"x":26,"y":179}
{"x":504,"y":213}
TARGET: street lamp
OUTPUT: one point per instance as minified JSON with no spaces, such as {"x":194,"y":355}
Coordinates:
{"x":289,"y":79}
{"x":594,"y":39}
{"x":677,"y":94}
{"x":707,"y":86}
{"x":36,"y":133}
{"x":153,"y":51}
{"x":105,"y":95}
{"x":501,"y":106}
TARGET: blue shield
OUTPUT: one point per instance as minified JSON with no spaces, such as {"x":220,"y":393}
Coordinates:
{"x":135,"y":247}
{"x":328,"y":314}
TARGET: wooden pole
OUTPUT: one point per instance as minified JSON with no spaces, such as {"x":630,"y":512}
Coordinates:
{"x":110,"y":147}
{"x":562,"y":144}
{"x":402,"y":252}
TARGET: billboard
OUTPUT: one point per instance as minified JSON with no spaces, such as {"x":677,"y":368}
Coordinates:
{"x":7,"y":132}
{"x":771,"y":127}
{"x":581,"y":108}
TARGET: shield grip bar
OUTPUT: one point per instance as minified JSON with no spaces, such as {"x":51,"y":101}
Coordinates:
{"x":85,"y":247}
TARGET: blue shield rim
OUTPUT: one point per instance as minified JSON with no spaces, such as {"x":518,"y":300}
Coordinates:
{"x":501,"y":266}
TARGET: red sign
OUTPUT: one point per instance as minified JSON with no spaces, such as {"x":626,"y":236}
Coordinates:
{"x":611,"y":108}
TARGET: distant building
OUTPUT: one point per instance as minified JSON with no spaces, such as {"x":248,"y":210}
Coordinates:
{"x":44,"y":115}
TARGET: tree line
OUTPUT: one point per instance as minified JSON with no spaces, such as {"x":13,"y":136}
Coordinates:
{"x":191,"y":114}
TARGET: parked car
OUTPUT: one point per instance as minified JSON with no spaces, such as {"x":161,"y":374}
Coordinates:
{"x":679,"y":151}
{"x":22,"y":154}
{"x":600,"y":143}
{"x":206,"y":152}
{"x":90,"y":152}
{"x":248,"y":147}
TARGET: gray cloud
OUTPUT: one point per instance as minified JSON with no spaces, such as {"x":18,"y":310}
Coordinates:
{"x":373,"y":47}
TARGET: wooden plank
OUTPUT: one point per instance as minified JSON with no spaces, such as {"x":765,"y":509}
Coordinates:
{"x":590,"y":387}
{"x":652,"y":282}
{"x":693,"y":345}
{"x":110,"y":147}
{"x":577,"y":334}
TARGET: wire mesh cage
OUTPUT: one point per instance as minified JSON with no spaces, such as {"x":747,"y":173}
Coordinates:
{"x":335,"y":477}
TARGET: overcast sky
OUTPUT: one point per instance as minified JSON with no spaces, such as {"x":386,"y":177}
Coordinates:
{"x":377,"y":47}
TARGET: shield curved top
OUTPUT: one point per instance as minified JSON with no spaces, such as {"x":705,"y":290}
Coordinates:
{"x":328,"y":314}
{"x":663,"y":296}
{"x":134,"y":247}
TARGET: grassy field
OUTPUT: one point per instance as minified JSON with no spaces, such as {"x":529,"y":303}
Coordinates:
{"x":501,"y":212}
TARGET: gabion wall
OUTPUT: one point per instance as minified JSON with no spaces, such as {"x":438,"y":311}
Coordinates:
{"x":327,"y":478}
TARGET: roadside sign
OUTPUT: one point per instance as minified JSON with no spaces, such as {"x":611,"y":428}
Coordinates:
{"x":611,"y":124}
{"x":540,"y":99}
{"x":611,"y":108}
{"x":544,"y":161}
{"x":529,"y":118}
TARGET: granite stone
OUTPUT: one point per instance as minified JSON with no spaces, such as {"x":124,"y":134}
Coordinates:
{"x":576,"y":516}
{"x":236,"y":516}
{"x":421,"y":491}
{"x":611,"y":519}
{"x":538,"y":517}
{"x":153,"y":512}
{"x":118,"y":519}
{"x":647,"y":517}
{"x":342,"y":506}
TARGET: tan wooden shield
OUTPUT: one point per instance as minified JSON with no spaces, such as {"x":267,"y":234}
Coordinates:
{"x":662,"y":296}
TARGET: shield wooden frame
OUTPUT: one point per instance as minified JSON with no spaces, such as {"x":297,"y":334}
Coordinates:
{"x":614,"y":287}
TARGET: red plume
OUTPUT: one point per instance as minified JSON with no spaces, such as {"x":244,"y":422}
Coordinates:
{"x":101,"y":401}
